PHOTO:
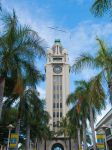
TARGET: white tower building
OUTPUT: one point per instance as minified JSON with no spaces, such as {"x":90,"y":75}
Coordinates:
{"x":57,"y":90}
{"x":57,"y":83}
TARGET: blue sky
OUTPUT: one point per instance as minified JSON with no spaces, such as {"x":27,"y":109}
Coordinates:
{"x":72,"y":16}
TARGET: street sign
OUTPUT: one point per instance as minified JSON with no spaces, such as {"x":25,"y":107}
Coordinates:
{"x":13,"y":140}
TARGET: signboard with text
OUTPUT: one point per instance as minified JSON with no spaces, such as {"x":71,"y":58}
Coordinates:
{"x":100,"y":141}
{"x":13,"y":140}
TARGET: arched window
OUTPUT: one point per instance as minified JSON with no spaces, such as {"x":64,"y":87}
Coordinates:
{"x":57,"y":146}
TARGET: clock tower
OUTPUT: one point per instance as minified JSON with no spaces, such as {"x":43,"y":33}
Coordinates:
{"x":57,"y":90}
{"x":57,"y":84}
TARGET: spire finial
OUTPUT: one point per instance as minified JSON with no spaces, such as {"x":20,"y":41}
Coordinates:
{"x":57,"y":41}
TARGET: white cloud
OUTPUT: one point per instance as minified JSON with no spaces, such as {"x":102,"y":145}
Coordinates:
{"x":79,"y":39}
{"x":41,"y":92}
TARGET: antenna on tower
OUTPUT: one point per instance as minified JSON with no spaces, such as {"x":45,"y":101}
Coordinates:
{"x":60,"y":30}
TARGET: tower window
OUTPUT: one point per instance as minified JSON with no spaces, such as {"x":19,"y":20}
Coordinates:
{"x":57,"y":87}
{"x":57,"y":96}
{"x":57,"y":105}
{"x":57,"y":114}
{"x":60,"y":95}
{"x":60,"y":105}
{"x":53,"y":124}
{"x":53,"y":105}
{"x":60,"y":114}
{"x":54,"y":87}
{"x":58,"y":124}
{"x":54,"y":96}
{"x":60,"y":49}
{"x":61,"y":87}
{"x":53,"y":114}
{"x":57,"y":59}
{"x":57,"y":49}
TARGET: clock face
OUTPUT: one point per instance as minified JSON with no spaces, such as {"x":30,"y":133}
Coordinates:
{"x":57,"y":69}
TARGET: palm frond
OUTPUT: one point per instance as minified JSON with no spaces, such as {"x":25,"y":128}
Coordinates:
{"x":84,"y":60}
{"x":10,"y":19}
{"x":81,"y":83}
{"x":99,"y":7}
{"x":71,"y":99}
{"x":103,"y":48}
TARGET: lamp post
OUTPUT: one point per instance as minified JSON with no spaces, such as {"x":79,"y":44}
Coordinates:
{"x":10,"y":127}
{"x":104,"y":127}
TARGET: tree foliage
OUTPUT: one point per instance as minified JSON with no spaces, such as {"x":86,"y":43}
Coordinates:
{"x":101,"y":7}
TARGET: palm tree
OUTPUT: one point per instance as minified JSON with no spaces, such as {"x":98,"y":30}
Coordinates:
{"x":31,"y":113}
{"x":101,"y":61}
{"x":74,"y":117}
{"x":31,"y":109}
{"x":90,"y":99}
{"x":40,"y":131}
{"x":75,"y":127}
{"x":19,"y":47}
{"x":8,"y":117}
{"x":64,"y":129}
{"x":23,"y":103}
{"x":68,"y":130}
{"x":80,"y":106}
{"x":100,"y":7}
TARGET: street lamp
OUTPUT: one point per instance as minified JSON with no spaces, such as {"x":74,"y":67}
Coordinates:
{"x":104,"y":127}
{"x":10,"y":127}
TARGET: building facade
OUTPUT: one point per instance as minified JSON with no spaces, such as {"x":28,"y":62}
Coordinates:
{"x":104,"y":127}
{"x":57,"y":72}
{"x":57,"y":83}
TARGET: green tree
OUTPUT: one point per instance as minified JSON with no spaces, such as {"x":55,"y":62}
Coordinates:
{"x":40,"y":131}
{"x":90,"y":99}
{"x":31,"y":109}
{"x":80,"y":106}
{"x":101,"y":61}
{"x":9,"y":116}
{"x":69,"y":130}
{"x":19,"y":47}
{"x":18,"y":97}
{"x":100,"y":7}
{"x":64,"y":128}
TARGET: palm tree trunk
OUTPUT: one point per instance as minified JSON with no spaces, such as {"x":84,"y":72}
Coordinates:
{"x":76,"y":144}
{"x":19,"y":121}
{"x":79,"y":141}
{"x":38,"y":145}
{"x":110,"y":90}
{"x":17,"y":131}
{"x":35,"y":143}
{"x":28,"y":138}
{"x":2,"y":85}
{"x":69,"y":143}
{"x":84,"y":132}
{"x":92,"y":127}
{"x":45,"y":145}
